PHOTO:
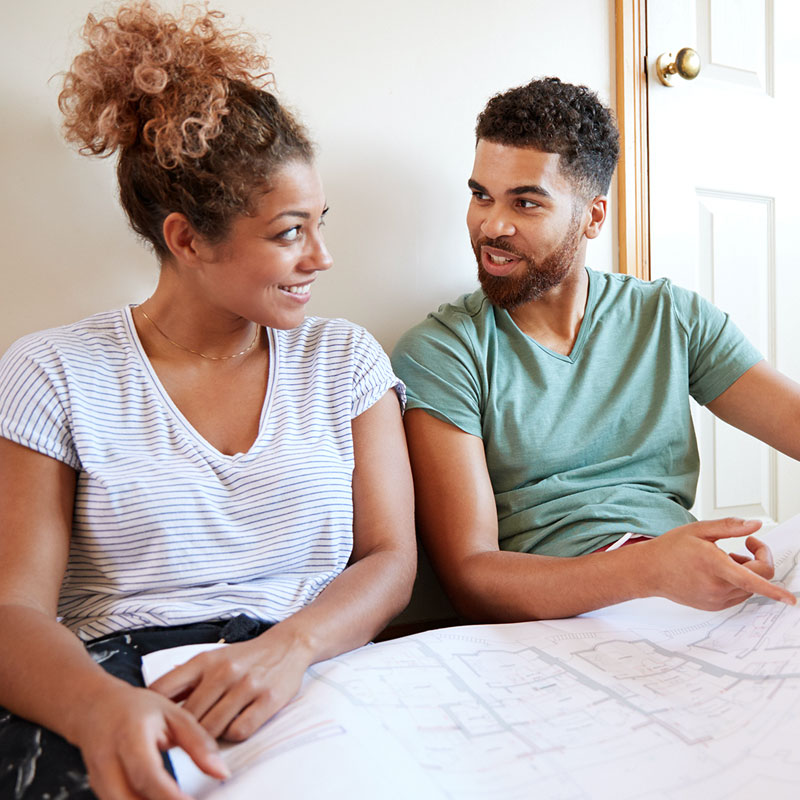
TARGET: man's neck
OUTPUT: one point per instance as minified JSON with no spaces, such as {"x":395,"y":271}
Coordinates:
{"x":554,"y":320}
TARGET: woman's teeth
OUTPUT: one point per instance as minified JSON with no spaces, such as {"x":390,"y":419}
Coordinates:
{"x":304,"y":289}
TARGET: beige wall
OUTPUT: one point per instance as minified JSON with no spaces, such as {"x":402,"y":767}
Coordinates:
{"x":390,"y":92}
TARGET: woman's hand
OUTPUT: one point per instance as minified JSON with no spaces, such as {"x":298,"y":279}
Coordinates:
{"x":234,"y":690}
{"x":692,"y":570}
{"x":122,"y":735}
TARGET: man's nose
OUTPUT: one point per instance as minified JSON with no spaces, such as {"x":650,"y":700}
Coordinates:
{"x":497,"y":224}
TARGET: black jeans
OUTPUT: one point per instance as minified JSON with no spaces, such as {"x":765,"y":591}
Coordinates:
{"x":37,"y":764}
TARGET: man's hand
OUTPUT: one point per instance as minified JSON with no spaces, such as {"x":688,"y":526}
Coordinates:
{"x":122,"y":735}
{"x":234,"y":690}
{"x":689,"y":568}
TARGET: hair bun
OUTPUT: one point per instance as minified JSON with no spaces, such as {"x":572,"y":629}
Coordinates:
{"x":150,"y":77}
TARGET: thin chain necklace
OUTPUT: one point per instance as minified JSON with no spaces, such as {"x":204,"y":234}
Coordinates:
{"x":197,"y":352}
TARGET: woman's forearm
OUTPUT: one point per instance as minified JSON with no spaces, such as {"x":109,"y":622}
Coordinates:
{"x":46,"y":674}
{"x":355,"y":606}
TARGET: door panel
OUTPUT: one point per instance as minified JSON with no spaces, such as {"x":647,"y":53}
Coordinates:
{"x":723,"y":186}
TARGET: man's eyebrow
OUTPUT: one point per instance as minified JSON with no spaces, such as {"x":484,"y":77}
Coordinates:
{"x":515,"y":192}
{"x":533,"y":189}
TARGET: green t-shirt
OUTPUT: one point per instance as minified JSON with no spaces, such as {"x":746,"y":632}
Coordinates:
{"x":581,"y":448}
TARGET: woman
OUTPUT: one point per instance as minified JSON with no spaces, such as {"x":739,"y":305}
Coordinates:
{"x":207,"y":465}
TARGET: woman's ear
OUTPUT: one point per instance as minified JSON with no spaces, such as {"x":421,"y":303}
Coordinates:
{"x":183,"y":241}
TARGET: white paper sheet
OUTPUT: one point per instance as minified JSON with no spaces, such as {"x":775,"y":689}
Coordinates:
{"x":647,"y":699}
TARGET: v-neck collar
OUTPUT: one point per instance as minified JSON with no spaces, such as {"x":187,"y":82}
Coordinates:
{"x":191,"y":431}
{"x":583,"y":331}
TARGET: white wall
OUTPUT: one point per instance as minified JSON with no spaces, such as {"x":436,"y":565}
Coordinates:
{"x":390,"y":92}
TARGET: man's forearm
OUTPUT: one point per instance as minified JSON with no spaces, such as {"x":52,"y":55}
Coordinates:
{"x":501,"y":586}
{"x":684,"y":565}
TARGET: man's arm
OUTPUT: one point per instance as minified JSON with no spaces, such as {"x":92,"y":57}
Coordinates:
{"x":765,"y":404}
{"x":457,"y":520}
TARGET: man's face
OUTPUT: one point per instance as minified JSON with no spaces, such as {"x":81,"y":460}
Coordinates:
{"x":525,"y":223}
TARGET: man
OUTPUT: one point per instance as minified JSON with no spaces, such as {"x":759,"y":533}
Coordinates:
{"x":549,"y":420}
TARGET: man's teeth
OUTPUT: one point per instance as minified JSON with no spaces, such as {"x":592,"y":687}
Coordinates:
{"x":305,"y":289}
{"x":499,"y":259}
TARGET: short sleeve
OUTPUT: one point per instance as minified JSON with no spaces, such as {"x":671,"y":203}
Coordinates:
{"x":372,"y":375}
{"x":441,"y":374}
{"x":34,"y":400}
{"x":719,"y":353}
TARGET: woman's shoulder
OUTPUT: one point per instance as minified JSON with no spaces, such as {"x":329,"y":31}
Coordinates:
{"x":84,"y":340}
{"x":321,"y":333}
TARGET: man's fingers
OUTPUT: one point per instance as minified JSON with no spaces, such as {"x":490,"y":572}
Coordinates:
{"x":759,"y":567}
{"x":726,"y":528}
{"x":760,"y":562}
{"x":747,"y":580}
{"x":760,"y":550}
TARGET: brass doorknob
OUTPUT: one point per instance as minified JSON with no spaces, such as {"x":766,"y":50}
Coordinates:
{"x":686,"y":64}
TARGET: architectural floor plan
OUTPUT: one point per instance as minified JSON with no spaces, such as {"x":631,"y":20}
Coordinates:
{"x":647,"y":699}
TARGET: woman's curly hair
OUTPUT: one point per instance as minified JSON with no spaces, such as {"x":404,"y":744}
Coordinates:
{"x":560,"y":118}
{"x":184,"y":103}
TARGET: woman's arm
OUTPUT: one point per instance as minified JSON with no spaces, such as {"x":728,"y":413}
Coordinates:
{"x":46,"y":675}
{"x":235,"y":689}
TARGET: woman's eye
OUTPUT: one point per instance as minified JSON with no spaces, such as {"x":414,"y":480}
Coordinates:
{"x":290,"y":235}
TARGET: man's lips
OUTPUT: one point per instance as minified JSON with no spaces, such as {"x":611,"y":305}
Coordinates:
{"x":498,"y":262}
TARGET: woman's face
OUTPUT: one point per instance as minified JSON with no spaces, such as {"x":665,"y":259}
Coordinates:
{"x":264,"y":268}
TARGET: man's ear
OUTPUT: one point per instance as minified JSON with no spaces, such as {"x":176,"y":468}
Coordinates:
{"x":183,"y":241}
{"x":596,"y":212}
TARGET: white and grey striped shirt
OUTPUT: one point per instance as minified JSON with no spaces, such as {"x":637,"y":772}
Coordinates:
{"x":167,"y":529}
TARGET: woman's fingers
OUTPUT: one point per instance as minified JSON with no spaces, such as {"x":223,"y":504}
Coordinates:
{"x":188,"y":734}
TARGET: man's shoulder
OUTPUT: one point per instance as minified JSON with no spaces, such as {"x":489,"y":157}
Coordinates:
{"x":618,"y":289}
{"x":620,"y":285}
{"x":461,"y":319}
{"x":631,"y":298}
{"x":452,"y":337}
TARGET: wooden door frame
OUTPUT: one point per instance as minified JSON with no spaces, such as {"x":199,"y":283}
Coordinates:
{"x":633,"y":190}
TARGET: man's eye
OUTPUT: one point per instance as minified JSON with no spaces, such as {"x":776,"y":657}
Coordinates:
{"x":479,"y":195}
{"x":290,"y":235}
{"x":528,"y":203}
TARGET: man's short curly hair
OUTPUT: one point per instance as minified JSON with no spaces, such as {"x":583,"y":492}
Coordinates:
{"x":560,"y":118}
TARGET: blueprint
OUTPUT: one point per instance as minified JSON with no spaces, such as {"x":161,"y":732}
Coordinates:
{"x":646,"y":699}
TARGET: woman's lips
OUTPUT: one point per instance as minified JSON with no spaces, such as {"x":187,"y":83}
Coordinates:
{"x":300,"y":293}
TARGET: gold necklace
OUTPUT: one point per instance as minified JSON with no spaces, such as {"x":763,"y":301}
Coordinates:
{"x":197,"y":352}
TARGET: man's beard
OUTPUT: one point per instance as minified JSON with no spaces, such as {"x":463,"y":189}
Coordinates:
{"x":510,"y":292}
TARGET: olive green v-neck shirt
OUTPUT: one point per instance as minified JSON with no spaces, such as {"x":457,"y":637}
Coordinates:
{"x":580,"y":448}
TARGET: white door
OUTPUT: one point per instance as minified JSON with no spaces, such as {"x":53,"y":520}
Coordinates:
{"x":724,"y":210}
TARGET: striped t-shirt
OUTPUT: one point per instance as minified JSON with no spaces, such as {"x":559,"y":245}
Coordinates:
{"x":167,"y":529}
